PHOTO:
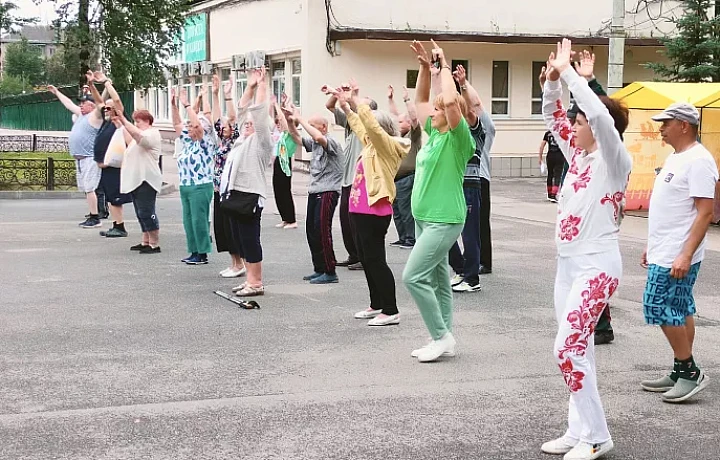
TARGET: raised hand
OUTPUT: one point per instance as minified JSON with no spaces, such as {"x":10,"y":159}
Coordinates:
{"x":203,"y":91}
{"x":184,"y":97}
{"x":173,"y":97}
{"x":228,"y":88}
{"x":586,"y":66}
{"x":284,"y":99}
{"x":421,"y":53}
{"x":438,"y":53}
{"x":215,"y":83}
{"x":460,"y":75}
{"x":354,"y":87}
{"x":52,"y":89}
{"x":560,"y":60}
{"x":100,"y":76}
{"x":406,"y":94}
{"x":391,"y":92}
{"x":90,"y":76}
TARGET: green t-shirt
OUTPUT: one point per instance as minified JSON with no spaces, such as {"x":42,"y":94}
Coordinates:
{"x":284,"y":150}
{"x":437,"y":195}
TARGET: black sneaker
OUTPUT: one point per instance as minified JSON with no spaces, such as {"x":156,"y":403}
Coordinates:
{"x":199,"y":259}
{"x":114,"y":233}
{"x":355,"y":266}
{"x":396,"y":244}
{"x":346,"y":263}
{"x":92,"y":222}
{"x":407,"y":245}
{"x":150,"y":250}
{"x":138,"y":247}
{"x":604,"y":337}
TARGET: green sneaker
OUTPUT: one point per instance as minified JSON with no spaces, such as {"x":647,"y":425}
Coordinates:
{"x":114,"y":233}
{"x":660,"y":385}
{"x":685,"y":389}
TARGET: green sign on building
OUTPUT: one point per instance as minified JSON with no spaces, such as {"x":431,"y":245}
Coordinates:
{"x":195,"y":38}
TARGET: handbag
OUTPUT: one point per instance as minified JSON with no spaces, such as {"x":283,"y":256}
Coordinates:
{"x":115,"y":153}
{"x":241,"y":204}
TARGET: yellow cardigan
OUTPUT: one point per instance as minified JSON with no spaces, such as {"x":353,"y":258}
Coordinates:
{"x":381,"y":154}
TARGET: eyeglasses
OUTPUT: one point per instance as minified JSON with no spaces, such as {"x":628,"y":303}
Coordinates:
{"x":108,"y":109}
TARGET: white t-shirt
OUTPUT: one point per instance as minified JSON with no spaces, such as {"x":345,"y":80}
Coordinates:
{"x":685,"y":176}
{"x":141,"y":163}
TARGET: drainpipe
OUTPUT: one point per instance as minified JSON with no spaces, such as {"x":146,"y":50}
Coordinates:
{"x":616,"y":48}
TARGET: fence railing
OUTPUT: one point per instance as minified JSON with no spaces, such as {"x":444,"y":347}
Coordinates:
{"x":37,"y":174}
{"x":33,"y":143}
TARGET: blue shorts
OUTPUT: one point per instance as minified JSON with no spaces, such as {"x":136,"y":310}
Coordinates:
{"x":667,"y":300}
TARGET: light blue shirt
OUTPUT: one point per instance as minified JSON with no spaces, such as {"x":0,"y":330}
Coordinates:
{"x":196,"y":162}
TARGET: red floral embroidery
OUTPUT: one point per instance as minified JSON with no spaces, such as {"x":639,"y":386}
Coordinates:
{"x":573,"y":378}
{"x":615,"y":200}
{"x":582,"y":180}
{"x":582,"y":323}
{"x":569,"y":227}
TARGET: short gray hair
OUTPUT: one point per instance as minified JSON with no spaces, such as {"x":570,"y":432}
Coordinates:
{"x":386,"y":122}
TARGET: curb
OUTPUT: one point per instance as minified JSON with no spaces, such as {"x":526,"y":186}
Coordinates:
{"x":61,"y":195}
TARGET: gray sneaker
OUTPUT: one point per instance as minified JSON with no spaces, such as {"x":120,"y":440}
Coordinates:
{"x":685,"y":389}
{"x":660,"y":385}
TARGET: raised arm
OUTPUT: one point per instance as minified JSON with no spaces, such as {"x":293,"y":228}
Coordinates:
{"x":191,"y":113}
{"x":392,"y":106}
{"x":64,"y":100}
{"x":313,"y":132}
{"x":332,"y":100}
{"x":435,"y":82}
{"x":292,"y":115}
{"x":100,"y":77}
{"x":231,"y":113}
{"x":452,"y":108}
{"x":177,"y":119}
{"x":472,"y":99}
{"x":130,"y":128}
{"x":249,"y":93}
{"x":411,"y":109}
{"x":384,"y":143}
{"x":422,"y":91}
{"x":216,"y":112}
{"x":344,"y":99}
{"x":554,"y":113}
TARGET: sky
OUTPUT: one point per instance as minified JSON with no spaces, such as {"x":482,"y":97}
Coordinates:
{"x":45,"y":11}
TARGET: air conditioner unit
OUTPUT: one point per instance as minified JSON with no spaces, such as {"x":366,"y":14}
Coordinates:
{"x":238,"y":63}
{"x":193,"y":69}
{"x":255,"y":59}
{"x":206,"y":68}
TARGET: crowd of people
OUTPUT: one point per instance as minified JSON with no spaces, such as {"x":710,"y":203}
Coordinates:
{"x":437,"y":192}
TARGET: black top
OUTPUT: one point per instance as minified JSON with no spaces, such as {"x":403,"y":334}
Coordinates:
{"x":554,"y":151}
{"x":102,"y":140}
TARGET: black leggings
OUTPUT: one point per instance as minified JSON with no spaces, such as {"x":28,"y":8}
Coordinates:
{"x":554,"y":174}
{"x":283,"y":194}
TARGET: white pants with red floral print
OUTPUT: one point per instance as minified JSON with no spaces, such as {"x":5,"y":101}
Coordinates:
{"x":583,"y":287}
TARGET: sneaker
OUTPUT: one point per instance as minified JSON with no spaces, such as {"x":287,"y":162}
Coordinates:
{"x":466,"y":287}
{"x":138,"y":247}
{"x":587,"y":451}
{"x":449,"y":353}
{"x":290,"y":226}
{"x":114,"y":233}
{"x":396,"y":244}
{"x":604,"y":337}
{"x":150,"y":250}
{"x":280,"y":225}
{"x":356,"y":266}
{"x":385,"y":320}
{"x":685,"y":389}
{"x":230,"y":273}
{"x":368,"y":313}
{"x":190,"y":257}
{"x":312,"y":277}
{"x":407,"y":245}
{"x":346,"y":262}
{"x":661,"y":385}
{"x":554,"y":200}
{"x":559,"y":446}
{"x":457,"y":279}
{"x":436,"y":348}
{"x":92,"y":222}
{"x":199,"y":259}
{"x":324,"y":279}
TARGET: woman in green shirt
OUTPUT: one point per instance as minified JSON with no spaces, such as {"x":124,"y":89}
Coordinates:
{"x":438,"y":202}
{"x":282,"y":168}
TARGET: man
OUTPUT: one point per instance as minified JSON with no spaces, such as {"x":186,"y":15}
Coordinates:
{"x":405,"y":177}
{"x":467,"y":265}
{"x":353,"y":148}
{"x":681,"y":209}
{"x":110,"y":174}
{"x":82,"y":144}
{"x":326,"y":172}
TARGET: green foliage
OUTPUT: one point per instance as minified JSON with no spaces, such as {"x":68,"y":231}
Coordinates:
{"x":57,"y":71}
{"x":10,"y":86}
{"x":24,"y":61}
{"x":694,"y":53}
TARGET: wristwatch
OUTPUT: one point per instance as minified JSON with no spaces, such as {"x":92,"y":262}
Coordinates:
{"x":406,"y":100}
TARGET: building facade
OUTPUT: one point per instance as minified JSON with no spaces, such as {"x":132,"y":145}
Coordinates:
{"x":310,"y":43}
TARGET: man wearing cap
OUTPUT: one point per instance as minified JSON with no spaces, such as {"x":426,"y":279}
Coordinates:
{"x":681,"y":209}
{"x":82,"y":148}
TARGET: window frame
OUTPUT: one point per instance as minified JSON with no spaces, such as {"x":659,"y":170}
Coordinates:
{"x":505,"y":99}
{"x":533,"y":98}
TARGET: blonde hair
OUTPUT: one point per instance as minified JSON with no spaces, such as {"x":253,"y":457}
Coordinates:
{"x":386,"y":122}
{"x":440,"y":102}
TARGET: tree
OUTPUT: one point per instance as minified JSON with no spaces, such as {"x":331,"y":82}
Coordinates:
{"x":10,"y":86}
{"x":8,"y":21}
{"x":24,"y":61}
{"x":57,"y":71}
{"x":136,"y":37}
{"x":694,"y":53}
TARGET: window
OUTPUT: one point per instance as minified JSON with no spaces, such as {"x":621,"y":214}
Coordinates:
{"x":224,"y":78}
{"x":164,"y":111}
{"x":500,"y":88}
{"x":453,"y":66}
{"x":278,"y":79}
{"x":411,"y":77}
{"x":240,"y":84}
{"x":296,"y":81}
{"x":536,"y":89}
{"x":156,"y":96}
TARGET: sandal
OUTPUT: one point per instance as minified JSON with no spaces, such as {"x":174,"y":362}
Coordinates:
{"x":239,"y":288}
{"x":249,"y":291}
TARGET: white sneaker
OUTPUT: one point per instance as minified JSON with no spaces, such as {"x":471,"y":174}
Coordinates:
{"x":449,"y":353}
{"x":559,"y":446}
{"x":280,"y":225}
{"x":290,"y":226}
{"x":385,"y":320}
{"x":585,"y":451}
{"x":466,"y":287}
{"x":369,"y":313}
{"x":230,"y":273}
{"x":436,"y":348}
{"x":457,"y":279}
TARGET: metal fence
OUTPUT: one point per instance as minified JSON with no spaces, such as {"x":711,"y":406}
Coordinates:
{"x":37,"y":174}
{"x":33,"y":143}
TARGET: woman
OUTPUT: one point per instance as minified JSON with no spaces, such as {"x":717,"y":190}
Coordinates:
{"x":371,"y":197}
{"x":555,"y":165}
{"x":243,"y":186}
{"x":227,"y":132}
{"x":438,"y":202}
{"x":140,"y":175}
{"x":589,"y":266}
{"x":195,"y":166}
{"x":282,"y":171}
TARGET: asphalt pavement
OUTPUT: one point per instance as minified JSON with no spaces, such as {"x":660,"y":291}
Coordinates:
{"x":108,"y":354}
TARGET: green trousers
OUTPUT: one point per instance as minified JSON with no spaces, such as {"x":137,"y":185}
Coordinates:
{"x":196,"y":201}
{"x":427,"y":276}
